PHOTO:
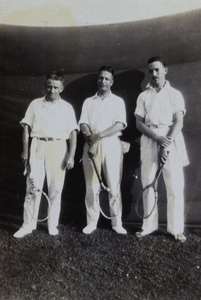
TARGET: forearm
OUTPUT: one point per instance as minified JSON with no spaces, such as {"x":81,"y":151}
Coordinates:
{"x":25,"y":142}
{"x":68,"y":162}
{"x":112,"y":130}
{"x":175,"y":129}
{"x":85,"y":129}
{"x":144,"y":129}
{"x":72,"y":144}
{"x":92,"y":138}
{"x":163,"y":141}
{"x":25,"y":138}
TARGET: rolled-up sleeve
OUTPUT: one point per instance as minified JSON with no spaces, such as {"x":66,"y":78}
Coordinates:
{"x":120,"y":115}
{"x":72,"y":122}
{"x":84,"y":114}
{"x":140,"y":107}
{"x":178,"y":104}
{"x":29,"y":116}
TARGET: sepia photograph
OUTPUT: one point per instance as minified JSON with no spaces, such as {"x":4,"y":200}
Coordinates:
{"x":100,"y":136}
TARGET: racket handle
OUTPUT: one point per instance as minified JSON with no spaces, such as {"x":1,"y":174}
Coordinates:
{"x":105,"y":188}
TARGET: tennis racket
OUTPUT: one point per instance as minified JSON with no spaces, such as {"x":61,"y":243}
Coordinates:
{"x":154,"y":186}
{"x":103,"y":195}
{"x":31,"y":197}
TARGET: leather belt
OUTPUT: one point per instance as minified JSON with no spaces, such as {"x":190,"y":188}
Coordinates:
{"x":158,"y":126}
{"x":48,"y":139}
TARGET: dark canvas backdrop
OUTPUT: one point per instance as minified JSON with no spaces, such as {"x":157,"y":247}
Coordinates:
{"x":28,"y":53}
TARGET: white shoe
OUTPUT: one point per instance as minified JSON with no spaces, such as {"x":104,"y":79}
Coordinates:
{"x":22,"y":232}
{"x":119,"y":229}
{"x":180,"y":237}
{"x":89,"y":229}
{"x":143,"y":233}
{"x":53,"y":231}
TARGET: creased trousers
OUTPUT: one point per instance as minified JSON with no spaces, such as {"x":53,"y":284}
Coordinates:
{"x":174,"y":182}
{"x":109,"y":157}
{"x":45,"y":161}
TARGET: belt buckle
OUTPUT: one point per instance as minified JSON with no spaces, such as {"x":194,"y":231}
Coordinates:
{"x":48,"y":139}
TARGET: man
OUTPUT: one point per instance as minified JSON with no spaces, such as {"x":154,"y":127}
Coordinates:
{"x":49,"y":122}
{"x":159,"y":117}
{"x":102,"y":120}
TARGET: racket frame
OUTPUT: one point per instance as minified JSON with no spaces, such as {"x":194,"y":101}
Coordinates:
{"x":102,"y":188}
{"x":154,"y":185}
{"x":33,"y":191}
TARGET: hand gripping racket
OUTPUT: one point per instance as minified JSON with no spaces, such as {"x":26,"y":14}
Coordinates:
{"x":154,"y":186}
{"x":103,"y":195}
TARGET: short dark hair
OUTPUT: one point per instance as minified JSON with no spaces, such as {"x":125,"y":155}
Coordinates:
{"x":106,"y":68}
{"x":157,"y":58}
{"x":56,"y":75}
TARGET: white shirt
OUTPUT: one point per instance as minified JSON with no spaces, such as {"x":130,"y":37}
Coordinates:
{"x":46,"y":119}
{"x":158,"y":108}
{"x":100,"y":114}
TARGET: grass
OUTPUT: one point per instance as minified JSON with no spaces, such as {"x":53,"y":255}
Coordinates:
{"x":103,"y":265}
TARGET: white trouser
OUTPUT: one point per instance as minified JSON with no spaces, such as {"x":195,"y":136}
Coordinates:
{"x":45,"y":160}
{"x":109,"y":158}
{"x":174,"y":182}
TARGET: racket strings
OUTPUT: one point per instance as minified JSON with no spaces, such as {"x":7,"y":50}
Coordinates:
{"x":103,"y":195}
{"x":154,"y":186}
{"x":108,"y":210}
{"x":32,"y":197}
{"x":140,"y":199}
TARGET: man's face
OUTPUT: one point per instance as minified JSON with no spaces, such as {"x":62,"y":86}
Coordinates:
{"x":157,"y":73}
{"x":105,"y":81}
{"x":53,"y":89}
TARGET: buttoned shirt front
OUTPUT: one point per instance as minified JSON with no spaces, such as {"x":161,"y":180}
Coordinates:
{"x":100,"y":114}
{"x":158,"y":108}
{"x":46,"y":119}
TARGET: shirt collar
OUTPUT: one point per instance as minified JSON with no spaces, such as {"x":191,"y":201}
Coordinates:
{"x":97,"y":97}
{"x":59,"y":100}
{"x":166,"y":85}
